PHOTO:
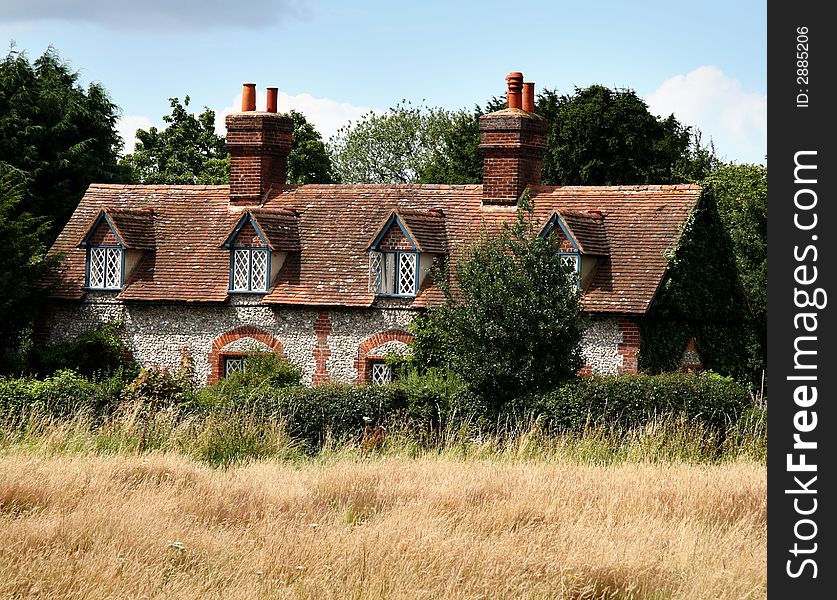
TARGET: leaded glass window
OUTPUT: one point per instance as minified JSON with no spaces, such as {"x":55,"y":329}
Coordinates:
{"x":381,"y":373}
{"x":570,"y":261}
{"x":393,"y":273}
{"x":104,"y":267}
{"x":233,"y":364}
{"x":249,"y":270}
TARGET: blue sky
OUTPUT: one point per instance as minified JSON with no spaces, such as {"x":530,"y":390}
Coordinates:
{"x":703,"y":61}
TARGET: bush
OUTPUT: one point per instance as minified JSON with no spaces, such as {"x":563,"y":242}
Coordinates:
{"x":95,"y":353}
{"x":631,"y":400}
{"x":63,"y":394}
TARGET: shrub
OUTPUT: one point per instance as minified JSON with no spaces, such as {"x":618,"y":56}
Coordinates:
{"x":63,"y":394}
{"x":156,"y":387}
{"x":97,"y":352}
{"x":631,"y":400}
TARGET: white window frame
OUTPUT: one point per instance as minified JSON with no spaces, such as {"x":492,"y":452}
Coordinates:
{"x":386,"y":273}
{"x":564,"y":257}
{"x":250,"y":286}
{"x":380,"y":373}
{"x":109,"y":279}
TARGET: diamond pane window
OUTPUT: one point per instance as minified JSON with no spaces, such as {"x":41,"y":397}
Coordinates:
{"x":407,"y":274}
{"x":570,"y":261}
{"x":258,"y":265}
{"x":381,"y":373}
{"x":393,"y":273}
{"x":233,"y":364}
{"x":249,"y":270}
{"x":104,"y":267}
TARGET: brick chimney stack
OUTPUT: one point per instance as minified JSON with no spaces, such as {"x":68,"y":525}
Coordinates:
{"x":512,"y":142}
{"x":259,"y":144}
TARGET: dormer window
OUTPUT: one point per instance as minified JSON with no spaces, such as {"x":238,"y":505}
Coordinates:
{"x":402,"y":251}
{"x":115,"y":240}
{"x":104,"y":267}
{"x":582,"y":242}
{"x":258,"y":244}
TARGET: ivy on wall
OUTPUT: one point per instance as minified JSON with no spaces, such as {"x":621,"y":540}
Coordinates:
{"x":701,"y":298}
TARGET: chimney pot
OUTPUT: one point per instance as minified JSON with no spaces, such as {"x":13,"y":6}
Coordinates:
{"x":248,"y":97}
{"x":272,"y":99}
{"x":515,"y":81}
{"x":529,"y":97}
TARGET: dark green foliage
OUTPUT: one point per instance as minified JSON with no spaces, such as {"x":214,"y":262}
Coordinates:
{"x":603,"y":136}
{"x":96,"y":352}
{"x":631,"y":400}
{"x":61,"y":136}
{"x":309,"y":161}
{"x":701,"y":297}
{"x":515,"y":323}
{"x":187,"y":151}
{"x":741,"y":193}
{"x":22,"y":266}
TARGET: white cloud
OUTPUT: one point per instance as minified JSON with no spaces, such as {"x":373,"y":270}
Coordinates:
{"x":325,"y":114}
{"x":706,"y":98}
{"x":158,"y":15}
{"x":127,"y":127}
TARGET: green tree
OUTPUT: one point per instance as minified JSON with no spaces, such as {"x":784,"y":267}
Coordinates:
{"x":61,"y":136}
{"x":513,"y":325}
{"x":22,"y":266}
{"x":309,"y":161}
{"x":400,"y":145}
{"x":186,"y":151}
{"x":603,"y":136}
{"x":741,"y":194}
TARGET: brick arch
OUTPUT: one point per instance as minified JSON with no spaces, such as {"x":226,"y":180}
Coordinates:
{"x":223,"y":340}
{"x":372,"y":342}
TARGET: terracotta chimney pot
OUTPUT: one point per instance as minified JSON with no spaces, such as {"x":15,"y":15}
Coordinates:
{"x":272,"y":99}
{"x":529,"y":97}
{"x":515,"y":81}
{"x":248,"y":97}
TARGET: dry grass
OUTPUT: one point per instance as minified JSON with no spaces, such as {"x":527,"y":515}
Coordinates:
{"x":163,"y":526}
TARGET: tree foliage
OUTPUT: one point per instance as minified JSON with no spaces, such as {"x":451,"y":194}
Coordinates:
{"x":22,"y":266}
{"x":603,"y":136}
{"x":404,"y":145}
{"x":741,"y":193}
{"x":60,"y":135}
{"x":188,"y":151}
{"x":513,"y":326}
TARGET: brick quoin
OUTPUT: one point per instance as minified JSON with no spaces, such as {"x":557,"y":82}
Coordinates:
{"x":372,"y":342}
{"x":322,"y":328}
{"x":248,"y":331}
{"x":629,"y":347}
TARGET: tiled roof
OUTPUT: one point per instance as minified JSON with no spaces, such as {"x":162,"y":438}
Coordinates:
{"x":133,"y":226}
{"x":336,"y":222}
{"x":426,"y":228}
{"x":281,"y":227}
{"x":587,"y":228}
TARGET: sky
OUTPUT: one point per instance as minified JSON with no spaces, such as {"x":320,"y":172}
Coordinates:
{"x":705,"y":62}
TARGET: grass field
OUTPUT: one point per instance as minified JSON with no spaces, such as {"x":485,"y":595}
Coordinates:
{"x":81,"y":523}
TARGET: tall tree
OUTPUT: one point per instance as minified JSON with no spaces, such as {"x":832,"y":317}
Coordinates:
{"x":603,"y":136}
{"x":61,"y":136}
{"x":188,"y":151}
{"x":513,"y":325}
{"x":400,"y":145}
{"x":741,"y":193}
{"x":22,"y":266}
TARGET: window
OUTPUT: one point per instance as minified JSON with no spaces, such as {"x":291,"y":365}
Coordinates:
{"x":393,"y":273}
{"x":572,"y":261}
{"x":249,"y":270}
{"x":233,"y":364}
{"x":104,"y":267}
{"x":380,"y":372}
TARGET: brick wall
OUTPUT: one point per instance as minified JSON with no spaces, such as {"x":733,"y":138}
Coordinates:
{"x":513,"y":144}
{"x":259,"y":144}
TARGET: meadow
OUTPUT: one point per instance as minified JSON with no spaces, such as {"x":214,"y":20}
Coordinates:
{"x":237,"y":509}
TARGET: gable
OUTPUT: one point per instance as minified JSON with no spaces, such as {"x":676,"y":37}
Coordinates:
{"x":100,"y":234}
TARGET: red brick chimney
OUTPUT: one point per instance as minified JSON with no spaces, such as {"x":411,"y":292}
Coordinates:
{"x":513,"y":142}
{"x":259,"y":144}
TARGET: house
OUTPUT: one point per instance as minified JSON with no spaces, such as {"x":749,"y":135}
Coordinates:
{"x":331,"y":275}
